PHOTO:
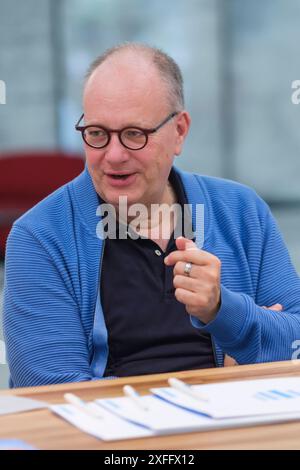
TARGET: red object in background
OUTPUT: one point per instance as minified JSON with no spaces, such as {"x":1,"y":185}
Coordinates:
{"x":25,"y":179}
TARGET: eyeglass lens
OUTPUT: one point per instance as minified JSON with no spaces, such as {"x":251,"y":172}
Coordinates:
{"x":131,"y":137}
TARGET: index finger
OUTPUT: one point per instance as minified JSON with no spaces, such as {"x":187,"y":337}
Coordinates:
{"x":195,"y":256}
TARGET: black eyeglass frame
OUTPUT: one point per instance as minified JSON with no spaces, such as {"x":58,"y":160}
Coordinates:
{"x":120,"y":131}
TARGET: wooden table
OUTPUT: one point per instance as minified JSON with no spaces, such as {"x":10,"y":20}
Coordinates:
{"x":44,"y":430}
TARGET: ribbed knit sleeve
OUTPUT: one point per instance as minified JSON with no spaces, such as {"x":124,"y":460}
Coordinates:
{"x":44,"y":335}
{"x":242,"y":328}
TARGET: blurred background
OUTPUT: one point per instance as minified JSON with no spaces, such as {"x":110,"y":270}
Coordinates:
{"x":238,"y":57}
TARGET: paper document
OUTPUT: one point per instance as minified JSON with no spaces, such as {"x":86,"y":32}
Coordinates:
{"x":108,"y":429}
{"x":239,"y":399}
{"x":172,"y":411}
{"x":10,"y":404}
{"x":163,"y":417}
{"x":160,"y":416}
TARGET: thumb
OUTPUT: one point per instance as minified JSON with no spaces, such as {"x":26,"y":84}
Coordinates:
{"x":276,"y":307}
{"x":185,"y":244}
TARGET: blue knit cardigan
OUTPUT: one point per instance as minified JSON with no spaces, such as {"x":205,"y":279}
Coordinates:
{"x":53,"y":321}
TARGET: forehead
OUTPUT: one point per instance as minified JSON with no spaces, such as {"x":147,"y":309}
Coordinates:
{"x":125,"y":86}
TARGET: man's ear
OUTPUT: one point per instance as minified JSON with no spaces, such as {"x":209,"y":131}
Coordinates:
{"x":183,"y":123}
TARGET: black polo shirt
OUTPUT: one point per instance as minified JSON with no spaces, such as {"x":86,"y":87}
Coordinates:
{"x":149,"y":331}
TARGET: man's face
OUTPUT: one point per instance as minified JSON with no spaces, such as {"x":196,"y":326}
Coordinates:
{"x":120,"y":95}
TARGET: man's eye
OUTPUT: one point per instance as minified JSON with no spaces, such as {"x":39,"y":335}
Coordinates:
{"x":133,"y":133}
{"x":95,"y":133}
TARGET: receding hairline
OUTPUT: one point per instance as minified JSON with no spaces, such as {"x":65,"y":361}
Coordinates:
{"x":164,"y":64}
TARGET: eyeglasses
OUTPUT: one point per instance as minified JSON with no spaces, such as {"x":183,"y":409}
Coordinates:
{"x":133,"y":138}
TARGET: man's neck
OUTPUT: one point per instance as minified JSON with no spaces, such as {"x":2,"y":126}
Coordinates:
{"x":159,"y":225}
{"x":157,"y":222}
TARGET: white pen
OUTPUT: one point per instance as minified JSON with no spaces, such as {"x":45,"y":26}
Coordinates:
{"x":131,"y":393}
{"x":92,"y":409}
{"x":185,"y":388}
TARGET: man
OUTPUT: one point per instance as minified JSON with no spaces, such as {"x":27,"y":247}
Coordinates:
{"x":82,"y":303}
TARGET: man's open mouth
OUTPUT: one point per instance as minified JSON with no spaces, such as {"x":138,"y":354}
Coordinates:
{"x":120,"y":176}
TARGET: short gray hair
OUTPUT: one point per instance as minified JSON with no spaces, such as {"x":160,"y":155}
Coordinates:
{"x":168,"y":69}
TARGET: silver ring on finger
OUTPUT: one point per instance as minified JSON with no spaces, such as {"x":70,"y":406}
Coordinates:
{"x":187,"y":269}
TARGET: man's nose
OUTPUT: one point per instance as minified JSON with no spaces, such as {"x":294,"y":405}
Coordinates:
{"x":115,"y":152}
